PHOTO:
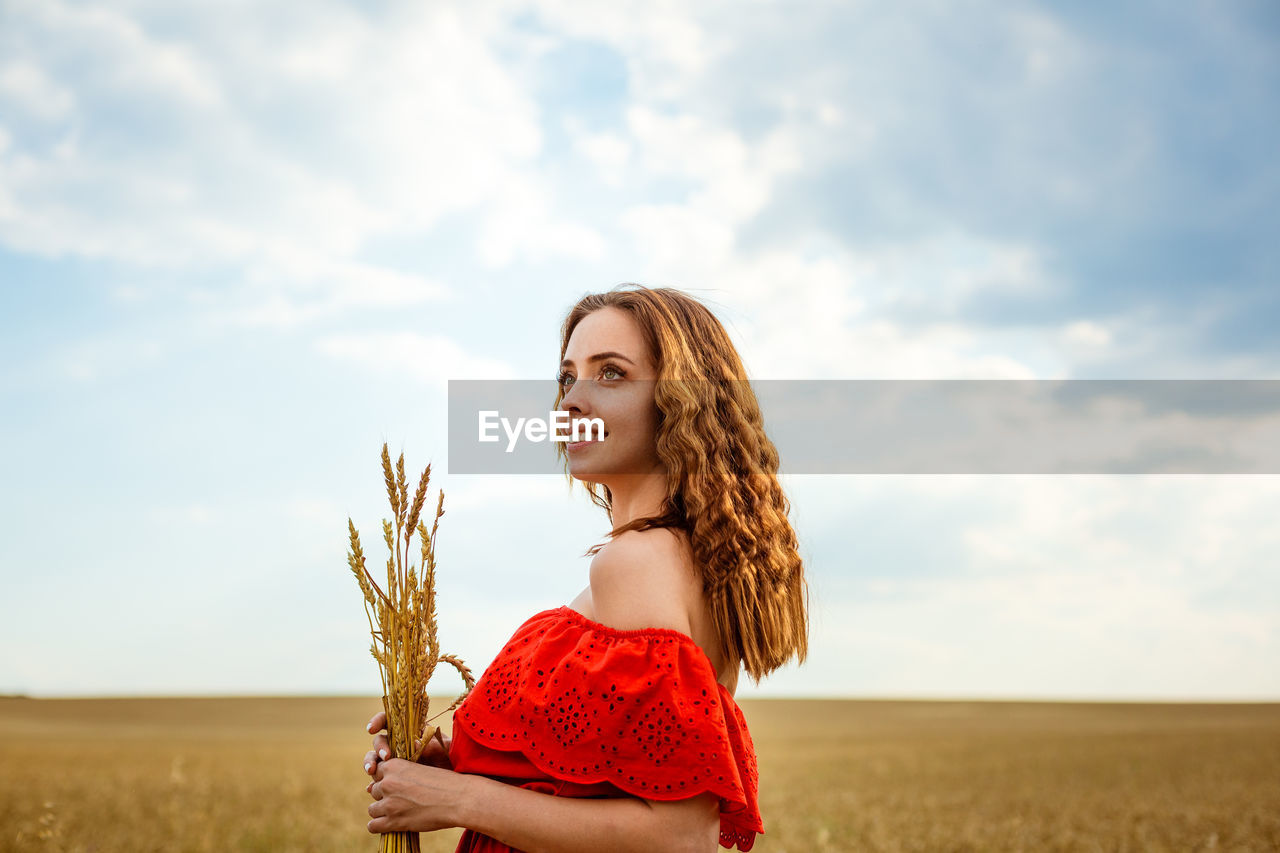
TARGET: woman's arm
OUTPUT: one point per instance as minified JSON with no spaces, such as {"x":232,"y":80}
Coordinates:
{"x":533,"y":821}
{"x":419,"y":798}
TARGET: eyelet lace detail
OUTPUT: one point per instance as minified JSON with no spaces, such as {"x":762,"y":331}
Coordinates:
{"x":638,"y":709}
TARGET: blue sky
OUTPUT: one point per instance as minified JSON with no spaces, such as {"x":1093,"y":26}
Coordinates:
{"x":240,"y":248}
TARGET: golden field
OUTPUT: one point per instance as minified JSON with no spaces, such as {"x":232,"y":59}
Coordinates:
{"x":284,"y":774}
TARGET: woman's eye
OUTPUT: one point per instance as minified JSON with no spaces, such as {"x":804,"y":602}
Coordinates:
{"x":565,"y":379}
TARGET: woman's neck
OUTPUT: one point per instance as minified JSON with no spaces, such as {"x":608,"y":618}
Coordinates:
{"x":635,"y":496}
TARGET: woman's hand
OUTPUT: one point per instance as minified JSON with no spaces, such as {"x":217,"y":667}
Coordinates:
{"x":433,"y":753}
{"x":415,"y":798}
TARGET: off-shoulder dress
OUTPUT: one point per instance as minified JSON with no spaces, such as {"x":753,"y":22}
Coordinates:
{"x":575,"y":708}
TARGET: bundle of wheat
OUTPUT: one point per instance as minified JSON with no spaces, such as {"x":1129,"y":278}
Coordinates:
{"x":403,"y":625}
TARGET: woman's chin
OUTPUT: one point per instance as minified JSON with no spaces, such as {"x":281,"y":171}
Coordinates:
{"x":588,"y":470}
{"x":582,"y":470}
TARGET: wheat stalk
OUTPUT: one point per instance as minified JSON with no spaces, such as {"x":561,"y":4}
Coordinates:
{"x":405,"y":644}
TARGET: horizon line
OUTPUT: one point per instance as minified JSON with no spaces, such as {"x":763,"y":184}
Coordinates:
{"x":1113,"y":700}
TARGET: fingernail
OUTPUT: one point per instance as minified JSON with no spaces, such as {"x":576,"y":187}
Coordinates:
{"x":382,"y":752}
{"x":369,"y":727}
{"x":367,"y":765}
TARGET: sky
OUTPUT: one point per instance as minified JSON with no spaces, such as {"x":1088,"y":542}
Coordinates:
{"x":242,"y":245}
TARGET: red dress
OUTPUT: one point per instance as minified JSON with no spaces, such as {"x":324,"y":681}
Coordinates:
{"x":575,"y":708}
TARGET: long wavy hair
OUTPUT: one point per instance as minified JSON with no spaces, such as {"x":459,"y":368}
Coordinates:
{"x":722,"y":485}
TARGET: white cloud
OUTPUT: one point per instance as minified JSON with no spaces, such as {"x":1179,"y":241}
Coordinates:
{"x":27,"y":86}
{"x":1059,"y":587}
{"x":1050,"y":52}
{"x":945,"y":268}
{"x":94,"y":358}
{"x":1085,"y":334}
{"x":802,"y":312}
{"x":275,"y":145}
{"x":292,"y":288}
{"x":121,"y":54}
{"x":665,"y":44}
{"x":732,"y":180}
{"x":521,"y":224}
{"x":667,"y":235}
{"x":295,"y":161}
{"x":428,"y":358}
{"x":609,"y":152}
{"x":478,"y":494}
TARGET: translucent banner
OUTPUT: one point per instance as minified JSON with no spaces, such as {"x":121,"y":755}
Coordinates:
{"x":1070,"y":426}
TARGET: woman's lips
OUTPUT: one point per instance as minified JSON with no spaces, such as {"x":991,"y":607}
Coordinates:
{"x":578,"y":445}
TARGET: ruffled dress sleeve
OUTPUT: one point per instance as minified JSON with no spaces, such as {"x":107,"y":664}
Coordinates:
{"x":597,"y":708}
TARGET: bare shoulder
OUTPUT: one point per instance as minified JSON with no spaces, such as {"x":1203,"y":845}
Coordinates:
{"x":648,"y":579}
{"x":645,"y":579}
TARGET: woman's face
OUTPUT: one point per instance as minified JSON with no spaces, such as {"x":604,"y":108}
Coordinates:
{"x":618,"y":389}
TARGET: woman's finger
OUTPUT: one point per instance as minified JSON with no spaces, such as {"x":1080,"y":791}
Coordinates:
{"x":382,"y":746}
{"x":370,"y":759}
{"x":377,"y":722}
{"x":436,"y":755}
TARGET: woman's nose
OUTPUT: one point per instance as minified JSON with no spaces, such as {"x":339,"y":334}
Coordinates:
{"x":576,"y":400}
{"x":576,"y":403}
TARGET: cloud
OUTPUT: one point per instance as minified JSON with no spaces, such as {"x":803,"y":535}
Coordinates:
{"x":522,"y":225}
{"x":291,"y":288}
{"x":810,"y":312}
{"x":274,"y":152}
{"x":100,"y":357}
{"x":1076,"y":138}
{"x":1038,"y":586}
{"x":609,"y":152}
{"x":665,"y":44}
{"x":430,"y":358}
{"x":27,"y":87}
{"x":1023,"y":154}
{"x":991,"y":191}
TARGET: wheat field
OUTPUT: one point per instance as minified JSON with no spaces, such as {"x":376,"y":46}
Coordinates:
{"x":284,"y":774}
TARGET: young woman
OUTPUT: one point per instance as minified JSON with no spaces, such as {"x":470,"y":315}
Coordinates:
{"x":609,"y":723}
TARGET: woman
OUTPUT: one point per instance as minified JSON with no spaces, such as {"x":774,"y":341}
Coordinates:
{"x":609,"y":724}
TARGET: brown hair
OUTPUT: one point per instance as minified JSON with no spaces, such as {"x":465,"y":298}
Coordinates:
{"x":722,"y":486}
